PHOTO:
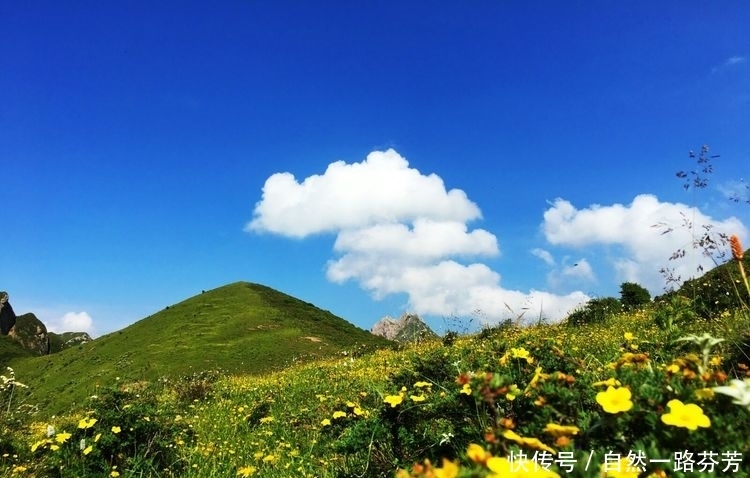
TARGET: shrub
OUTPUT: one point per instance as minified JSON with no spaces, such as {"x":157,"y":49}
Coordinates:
{"x":633,"y":296}
{"x":196,"y":386}
{"x":595,"y":311}
{"x":449,"y":338}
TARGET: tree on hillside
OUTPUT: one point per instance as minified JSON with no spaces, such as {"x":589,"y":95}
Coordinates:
{"x":633,"y":295}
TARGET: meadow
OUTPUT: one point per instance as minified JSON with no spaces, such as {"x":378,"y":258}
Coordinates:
{"x":661,"y":389}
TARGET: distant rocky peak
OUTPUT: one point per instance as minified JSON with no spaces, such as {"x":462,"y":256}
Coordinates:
{"x":407,"y":328}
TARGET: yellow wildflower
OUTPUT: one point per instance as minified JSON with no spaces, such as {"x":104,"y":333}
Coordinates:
{"x":477,"y":453}
{"x":116,"y":429}
{"x":338,"y":414}
{"x":513,"y":392}
{"x":88,"y":450}
{"x":422,"y":384}
{"x":37,"y":445}
{"x":394,"y":400}
{"x":502,"y":468}
{"x":610,"y":382}
{"x":448,"y":470}
{"x":688,"y":416}
{"x":86,"y":422}
{"x":615,"y":400}
{"x":557,"y":430}
{"x":538,"y":375}
{"x":417,"y":398}
{"x":704,"y":393}
{"x":62,"y":437}
{"x":466,"y":389}
{"x":521,"y":353}
{"x":629,"y":336}
{"x":246,"y":471}
{"x":534,"y":443}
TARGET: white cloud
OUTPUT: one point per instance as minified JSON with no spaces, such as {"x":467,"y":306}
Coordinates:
{"x":544,"y":255}
{"x":400,"y":232}
{"x":580,"y":270}
{"x":380,"y":189}
{"x":640,"y":248}
{"x":735,"y":190}
{"x":426,"y":240}
{"x":566,"y":275}
{"x":72,"y":322}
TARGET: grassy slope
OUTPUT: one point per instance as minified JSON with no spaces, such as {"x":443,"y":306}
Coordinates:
{"x":10,"y":350}
{"x":239,"y":327}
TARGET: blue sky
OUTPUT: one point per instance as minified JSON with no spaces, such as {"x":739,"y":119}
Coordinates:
{"x":444,"y":158}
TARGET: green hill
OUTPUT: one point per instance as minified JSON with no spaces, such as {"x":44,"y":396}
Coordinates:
{"x":238,"y":328}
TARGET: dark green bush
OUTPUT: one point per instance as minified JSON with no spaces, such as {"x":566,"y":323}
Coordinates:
{"x":595,"y":311}
{"x":633,"y":296}
{"x":449,"y":338}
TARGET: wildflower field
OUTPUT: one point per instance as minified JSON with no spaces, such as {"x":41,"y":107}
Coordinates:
{"x":624,"y":397}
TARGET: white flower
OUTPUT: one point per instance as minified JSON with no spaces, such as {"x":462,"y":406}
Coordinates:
{"x":446,"y":438}
{"x":739,"y":390}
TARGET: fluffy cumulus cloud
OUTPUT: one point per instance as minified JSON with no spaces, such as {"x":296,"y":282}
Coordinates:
{"x":380,"y":189}
{"x":640,"y":236}
{"x":400,"y":231}
{"x":72,"y":322}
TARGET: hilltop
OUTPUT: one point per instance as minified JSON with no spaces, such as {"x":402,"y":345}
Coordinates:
{"x":238,"y":328}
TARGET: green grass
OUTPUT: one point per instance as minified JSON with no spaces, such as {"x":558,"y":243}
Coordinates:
{"x":11,"y":349}
{"x":329,"y":417}
{"x":239,"y":328}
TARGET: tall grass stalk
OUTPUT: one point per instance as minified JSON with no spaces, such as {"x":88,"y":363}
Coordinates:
{"x":738,"y":255}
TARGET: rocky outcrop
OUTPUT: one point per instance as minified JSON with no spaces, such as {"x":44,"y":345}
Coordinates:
{"x":67,"y":340}
{"x":407,"y":328}
{"x":31,"y":333}
{"x":7,"y":316}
